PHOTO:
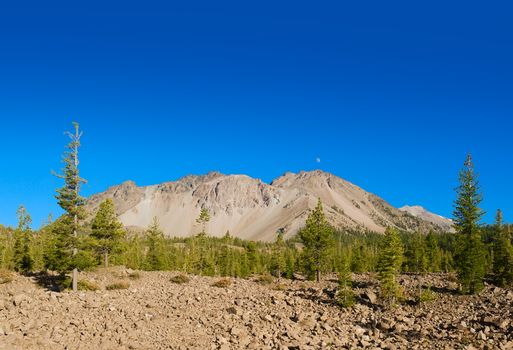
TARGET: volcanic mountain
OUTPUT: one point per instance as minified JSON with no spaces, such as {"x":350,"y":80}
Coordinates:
{"x":251,"y":209}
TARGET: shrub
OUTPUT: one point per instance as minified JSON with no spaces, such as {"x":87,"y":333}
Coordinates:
{"x":426,"y":295}
{"x":180,"y":279}
{"x":5,"y":276}
{"x":118,"y":285}
{"x":265,"y":279}
{"x":134,"y":275}
{"x":88,"y":285}
{"x":223,"y":283}
{"x":279,"y":286}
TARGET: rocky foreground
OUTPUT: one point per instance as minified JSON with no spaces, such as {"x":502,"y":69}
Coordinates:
{"x":154,"y":313}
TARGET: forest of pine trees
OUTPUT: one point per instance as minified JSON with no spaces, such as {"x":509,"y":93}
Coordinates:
{"x":78,"y":241}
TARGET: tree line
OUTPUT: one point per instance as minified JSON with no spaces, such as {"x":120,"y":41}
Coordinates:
{"x":72,"y":243}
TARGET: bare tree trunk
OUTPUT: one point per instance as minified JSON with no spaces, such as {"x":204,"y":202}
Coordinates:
{"x":318,"y":276}
{"x":106,"y":259}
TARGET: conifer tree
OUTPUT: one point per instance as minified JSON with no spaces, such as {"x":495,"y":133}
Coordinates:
{"x":203,"y":219}
{"x":345,"y":295}
{"x":470,"y":255}
{"x":107,"y":231}
{"x":317,"y":237}
{"x":433,"y":254}
{"x":154,"y":240}
{"x":23,"y":261}
{"x":278,"y":254}
{"x":389,"y":265}
{"x":502,"y":253}
{"x":65,"y":247}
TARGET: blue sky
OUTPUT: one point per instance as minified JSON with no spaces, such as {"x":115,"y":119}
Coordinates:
{"x":389,"y":95}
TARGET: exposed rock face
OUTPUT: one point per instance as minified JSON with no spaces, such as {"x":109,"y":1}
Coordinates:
{"x":252,"y":209}
{"x":421,"y":213}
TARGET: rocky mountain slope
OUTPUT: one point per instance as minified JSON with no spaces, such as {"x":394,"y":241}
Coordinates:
{"x":252,"y":209}
{"x":154,"y":313}
{"x":422,"y":213}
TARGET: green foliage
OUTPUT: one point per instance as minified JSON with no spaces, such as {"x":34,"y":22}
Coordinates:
{"x":389,"y":265}
{"x":107,"y":231}
{"x":203,"y":219}
{"x":23,"y":261}
{"x":278,"y":255}
{"x":62,"y":256}
{"x":416,"y":256}
{"x":155,"y":244}
{"x":345,"y":295}
{"x":433,"y":252}
{"x":427,"y":295}
{"x":317,"y":237}
{"x":502,"y":254}
{"x":470,"y":252}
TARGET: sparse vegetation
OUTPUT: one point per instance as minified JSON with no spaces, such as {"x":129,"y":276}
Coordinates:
{"x":222,"y":283}
{"x":6,"y":276}
{"x":264,"y":279}
{"x":118,"y":285}
{"x":180,"y":279}
{"x":87,"y":285}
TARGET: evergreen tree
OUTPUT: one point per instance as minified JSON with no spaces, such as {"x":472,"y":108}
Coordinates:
{"x":502,"y":253}
{"x":203,"y":219}
{"x":23,"y":261}
{"x":433,"y":254}
{"x":416,"y":257}
{"x":155,"y":241}
{"x":389,"y":265}
{"x":345,"y":295}
{"x":470,"y":256}
{"x":107,"y":231}
{"x":65,"y":247}
{"x":317,"y":237}
{"x":278,"y":254}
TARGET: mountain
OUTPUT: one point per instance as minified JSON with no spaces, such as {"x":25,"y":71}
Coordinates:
{"x":421,"y":213}
{"x":252,"y":209}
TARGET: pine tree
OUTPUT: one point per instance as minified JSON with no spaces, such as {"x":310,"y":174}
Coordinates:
{"x":65,"y":247}
{"x":23,"y":261}
{"x":433,"y":254}
{"x":502,"y":253}
{"x":107,"y":231}
{"x":470,"y":255}
{"x":278,"y":254}
{"x":317,"y":237}
{"x":389,"y":265}
{"x":345,"y":295}
{"x":203,"y":219}
{"x":154,"y":240}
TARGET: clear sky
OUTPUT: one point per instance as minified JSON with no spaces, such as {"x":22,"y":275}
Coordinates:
{"x":388,"y":95}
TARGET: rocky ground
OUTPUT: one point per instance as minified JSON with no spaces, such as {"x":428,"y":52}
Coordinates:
{"x":154,"y":313}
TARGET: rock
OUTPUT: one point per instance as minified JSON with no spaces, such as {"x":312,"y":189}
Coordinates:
{"x":370,"y":296}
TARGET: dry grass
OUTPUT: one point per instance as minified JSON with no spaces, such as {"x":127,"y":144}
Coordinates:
{"x":265,"y":279}
{"x":118,"y":285}
{"x":180,"y":279}
{"x":134,"y":275}
{"x":6,"y":276}
{"x":222,"y":283}
{"x":88,"y":285}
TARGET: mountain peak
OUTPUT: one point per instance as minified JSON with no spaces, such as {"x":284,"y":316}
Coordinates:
{"x":252,"y":209}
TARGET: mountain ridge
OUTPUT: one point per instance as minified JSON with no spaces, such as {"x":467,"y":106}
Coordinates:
{"x":252,"y":209}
